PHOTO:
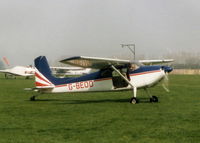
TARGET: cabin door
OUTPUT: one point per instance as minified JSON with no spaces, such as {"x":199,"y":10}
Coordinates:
{"x":118,"y":81}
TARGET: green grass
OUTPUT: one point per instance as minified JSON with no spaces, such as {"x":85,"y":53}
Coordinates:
{"x":102,"y":117}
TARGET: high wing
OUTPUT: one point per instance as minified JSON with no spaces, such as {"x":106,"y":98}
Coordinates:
{"x":100,"y":63}
{"x":154,"y":62}
{"x":94,"y":62}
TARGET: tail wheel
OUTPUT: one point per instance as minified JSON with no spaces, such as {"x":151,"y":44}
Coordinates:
{"x":32,"y":98}
{"x":154,"y":99}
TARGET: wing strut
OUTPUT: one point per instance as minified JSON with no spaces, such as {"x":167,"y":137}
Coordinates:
{"x":133,"y":100}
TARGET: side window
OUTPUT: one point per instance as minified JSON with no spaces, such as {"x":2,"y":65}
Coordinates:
{"x":122,"y":71}
{"x":106,"y":73}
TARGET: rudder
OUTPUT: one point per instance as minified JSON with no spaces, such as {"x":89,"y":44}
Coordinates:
{"x":43,"y":76}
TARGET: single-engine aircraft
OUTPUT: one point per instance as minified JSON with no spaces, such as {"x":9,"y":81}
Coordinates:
{"x":25,"y":71}
{"x":113,"y":75}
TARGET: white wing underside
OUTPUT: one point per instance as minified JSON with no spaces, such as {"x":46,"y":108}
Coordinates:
{"x":94,"y":62}
{"x":100,"y":63}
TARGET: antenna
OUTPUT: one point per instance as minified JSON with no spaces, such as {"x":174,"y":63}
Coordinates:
{"x":131,"y":47}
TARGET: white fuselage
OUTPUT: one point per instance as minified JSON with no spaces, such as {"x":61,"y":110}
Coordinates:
{"x":139,"y":80}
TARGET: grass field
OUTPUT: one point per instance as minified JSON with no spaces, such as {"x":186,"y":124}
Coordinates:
{"x":101,"y":117}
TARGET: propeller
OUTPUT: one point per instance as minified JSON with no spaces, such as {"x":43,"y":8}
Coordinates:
{"x":165,"y":83}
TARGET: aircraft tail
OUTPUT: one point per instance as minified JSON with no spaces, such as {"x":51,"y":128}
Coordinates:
{"x":43,"y":76}
{"x":6,"y":62}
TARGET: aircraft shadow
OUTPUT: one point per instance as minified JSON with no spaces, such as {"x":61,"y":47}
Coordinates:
{"x":104,"y":101}
{"x":62,"y":101}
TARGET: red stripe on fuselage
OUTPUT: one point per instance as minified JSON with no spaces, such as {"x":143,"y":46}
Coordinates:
{"x":102,"y":79}
{"x":61,"y":85}
{"x":84,"y":81}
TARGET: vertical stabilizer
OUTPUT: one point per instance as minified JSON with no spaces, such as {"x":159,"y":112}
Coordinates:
{"x":43,"y":76}
{"x":6,"y":62}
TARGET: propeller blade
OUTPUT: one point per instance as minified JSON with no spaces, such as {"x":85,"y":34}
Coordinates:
{"x":165,"y":83}
{"x":165,"y":88}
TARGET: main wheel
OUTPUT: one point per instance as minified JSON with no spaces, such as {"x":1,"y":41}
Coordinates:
{"x":32,"y":98}
{"x":134,"y":100}
{"x":154,"y":99}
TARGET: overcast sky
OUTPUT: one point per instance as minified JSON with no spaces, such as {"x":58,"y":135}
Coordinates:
{"x":59,"y":28}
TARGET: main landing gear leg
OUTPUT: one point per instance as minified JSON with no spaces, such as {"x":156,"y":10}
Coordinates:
{"x":134,"y":100}
{"x":152,"y":98}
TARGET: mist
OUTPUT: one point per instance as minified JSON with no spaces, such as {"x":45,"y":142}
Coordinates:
{"x":66,"y":28}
